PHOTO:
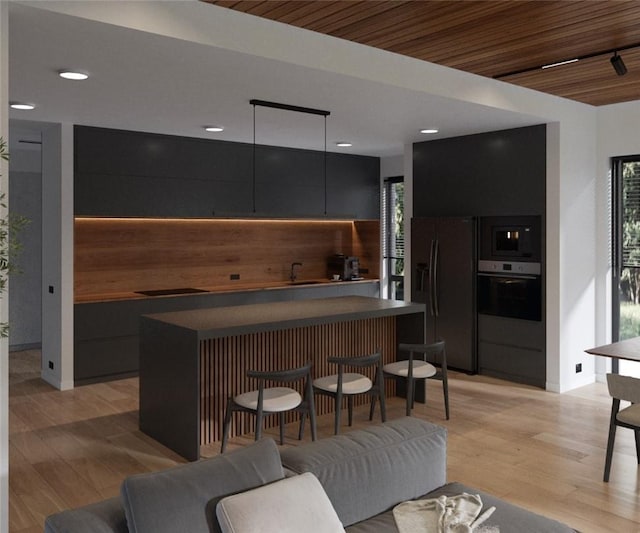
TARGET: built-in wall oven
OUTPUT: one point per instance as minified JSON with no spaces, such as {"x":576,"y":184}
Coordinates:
{"x":509,"y":280}
{"x":509,"y":289}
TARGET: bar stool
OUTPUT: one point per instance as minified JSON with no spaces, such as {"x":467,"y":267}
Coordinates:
{"x":272,"y":400}
{"x":424,"y":367}
{"x":351,"y":383}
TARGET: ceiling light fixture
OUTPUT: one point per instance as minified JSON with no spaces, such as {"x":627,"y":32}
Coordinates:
{"x":618,"y":64}
{"x":215,"y":129}
{"x":297,"y":109}
{"x":560,"y":63}
{"x":429,"y":130}
{"x":616,"y":61}
{"x":343,"y":144}
{"x":73,"y":75}
{"x":22,"y":106}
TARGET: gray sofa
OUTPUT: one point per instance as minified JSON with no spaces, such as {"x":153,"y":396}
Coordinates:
{"x":364,"y":473}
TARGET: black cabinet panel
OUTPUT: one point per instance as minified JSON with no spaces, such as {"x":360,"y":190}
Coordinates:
{"x":497,"y":173}
{"x":131,"y":153}
{"x":512,"y":349}
{"x":353,"y":186}
{"x":124,"y":173}
{"x":142,"y":196}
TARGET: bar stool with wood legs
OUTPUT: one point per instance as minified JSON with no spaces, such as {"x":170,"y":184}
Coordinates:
{"x":351,"y":383}
{"x":271,"y":400}
{"x":426,"y":361}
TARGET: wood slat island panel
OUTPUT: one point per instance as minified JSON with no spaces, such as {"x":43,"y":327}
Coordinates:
{"x":192,"y":361}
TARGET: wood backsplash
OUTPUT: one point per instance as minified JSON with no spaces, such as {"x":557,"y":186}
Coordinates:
{"x":115,"y":255}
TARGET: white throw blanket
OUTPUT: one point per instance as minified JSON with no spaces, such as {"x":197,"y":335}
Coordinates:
{"x":455,"y":514}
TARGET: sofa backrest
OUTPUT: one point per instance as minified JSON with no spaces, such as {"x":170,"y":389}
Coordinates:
{"x":106,"y":516}
{"x":368,"y":471}
{"x":184,"y":498}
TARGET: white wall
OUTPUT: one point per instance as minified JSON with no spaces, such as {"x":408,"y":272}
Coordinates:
{"x":57,"y":255}
{"x":576,"y":258}
{"x":617,"y":136}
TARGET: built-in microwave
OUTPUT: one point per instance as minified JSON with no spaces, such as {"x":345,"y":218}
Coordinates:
{"x":510,"y":238}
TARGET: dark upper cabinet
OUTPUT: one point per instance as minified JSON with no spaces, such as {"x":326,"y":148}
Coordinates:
{"x":486,"y":174}
{"x":125,"y":173}
{"x":353,"y":186}
{"x":289,"y":182}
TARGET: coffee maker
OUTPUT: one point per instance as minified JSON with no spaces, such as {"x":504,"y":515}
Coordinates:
{"x":346,"y":267}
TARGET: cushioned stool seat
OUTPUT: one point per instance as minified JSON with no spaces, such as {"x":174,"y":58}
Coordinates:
{"x":352,"y":383}
{"x":421,"y":370}
{"x":275,"y":399}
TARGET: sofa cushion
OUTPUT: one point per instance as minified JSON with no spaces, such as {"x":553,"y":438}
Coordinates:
{"x":509,"y":518}
{"x":103,"y":517}
{"x":183,"y":498}
{"x":368,"y":471}
{"x":287,"y":506}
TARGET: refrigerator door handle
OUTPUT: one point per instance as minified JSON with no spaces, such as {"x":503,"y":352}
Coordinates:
{"x":434,"y":267}
{"x":431,"y":286}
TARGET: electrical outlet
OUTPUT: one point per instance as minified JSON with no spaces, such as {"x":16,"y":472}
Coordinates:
{"x":578,"y":367}
{"x":51,"y":365}
{"x":234,"y":276}
{"x":51,"y":289}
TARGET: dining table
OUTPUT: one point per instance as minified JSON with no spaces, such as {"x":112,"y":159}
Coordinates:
{"x":628,"y":349}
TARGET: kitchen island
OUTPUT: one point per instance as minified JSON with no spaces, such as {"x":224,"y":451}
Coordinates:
{"x":192,"y":361}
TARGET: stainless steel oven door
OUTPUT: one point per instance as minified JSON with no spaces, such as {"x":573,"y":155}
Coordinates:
{"x":510,"y":295}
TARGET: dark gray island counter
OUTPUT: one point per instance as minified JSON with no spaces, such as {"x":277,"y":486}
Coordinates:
{"x":192,"y":361}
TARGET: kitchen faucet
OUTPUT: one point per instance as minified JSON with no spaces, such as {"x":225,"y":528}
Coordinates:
{"x":293,"y":276}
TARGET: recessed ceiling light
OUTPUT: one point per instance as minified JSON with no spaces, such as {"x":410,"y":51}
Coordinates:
{"x":73,"y":75}
{"x":343,"y":143}
{"x":214,"y":128}
{"x":18,"y":105}
{"x":429,"y":130}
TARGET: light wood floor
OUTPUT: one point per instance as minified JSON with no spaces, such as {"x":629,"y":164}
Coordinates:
{"x":541,"y":450}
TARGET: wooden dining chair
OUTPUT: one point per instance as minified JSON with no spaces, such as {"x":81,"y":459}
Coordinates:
{"x":349,"y":384}
{"x":425,"y":361}
{"x":268,"y":400}
{"x":622,"y":388}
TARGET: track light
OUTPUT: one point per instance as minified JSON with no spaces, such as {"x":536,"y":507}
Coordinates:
{"x":618,"y":64}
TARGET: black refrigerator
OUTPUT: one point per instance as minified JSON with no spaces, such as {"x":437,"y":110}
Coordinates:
{"x":443,"y":268}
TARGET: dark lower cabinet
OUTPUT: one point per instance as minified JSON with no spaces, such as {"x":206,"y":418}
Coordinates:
{"x":512,"y":349}
{"x":106,"y":343}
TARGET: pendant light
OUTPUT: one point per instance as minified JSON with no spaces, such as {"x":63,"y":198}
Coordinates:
{"x":297,"y":109}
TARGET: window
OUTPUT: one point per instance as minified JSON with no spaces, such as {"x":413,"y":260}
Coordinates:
{"x":626,"y":253}
{"x":393,"y":236}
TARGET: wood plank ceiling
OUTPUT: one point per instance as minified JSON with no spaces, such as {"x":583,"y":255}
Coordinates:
{"x":489,"y":37}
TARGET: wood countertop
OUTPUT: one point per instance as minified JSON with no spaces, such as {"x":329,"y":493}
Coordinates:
{"x":239,"y":287}
{"x":240,"y":320}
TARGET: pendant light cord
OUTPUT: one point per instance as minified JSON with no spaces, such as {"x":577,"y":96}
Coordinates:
{"x":309,"y":110}
{"x":325,"y":165}
{"x":254,"y":159}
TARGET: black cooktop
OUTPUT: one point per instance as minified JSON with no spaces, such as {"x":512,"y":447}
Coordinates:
{"x":166,"y":292}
